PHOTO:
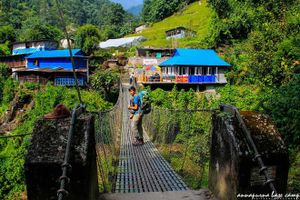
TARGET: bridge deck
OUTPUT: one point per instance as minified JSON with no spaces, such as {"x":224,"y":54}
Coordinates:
{"x":173,"y":195}
{"x":142,"y":168}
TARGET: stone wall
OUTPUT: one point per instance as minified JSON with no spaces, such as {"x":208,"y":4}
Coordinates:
{"x":46,"y":154}
{"x":232,"y":169}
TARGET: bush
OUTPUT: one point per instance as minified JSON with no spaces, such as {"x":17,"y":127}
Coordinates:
{"x":13,"y":151}
{"x":106,"y":82}
{"x":4,"y":71}
{"x":283,"y":105}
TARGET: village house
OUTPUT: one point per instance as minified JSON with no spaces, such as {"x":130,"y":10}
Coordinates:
{"x":13,"y":62}
{"x":122,"y":42}
{"x":54,"y":66}
{"x":22,"y":49}
{"x":179,"y":32}
{"x":140,"y":28}
{"x":30,"y":47}
{"x":193,"y":68}
{"x":147,"y":56}
{"x":154,"y":56}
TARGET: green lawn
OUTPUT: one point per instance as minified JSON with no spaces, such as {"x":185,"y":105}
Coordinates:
{"x":195,"y":17}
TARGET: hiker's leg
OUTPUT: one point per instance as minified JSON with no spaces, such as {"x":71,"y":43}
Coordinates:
{"x":134,"y":127}
{"x":140,"y":129}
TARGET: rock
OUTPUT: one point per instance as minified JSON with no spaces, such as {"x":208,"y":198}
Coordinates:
{"x":232,"y":169}
{"x":46,"y":154}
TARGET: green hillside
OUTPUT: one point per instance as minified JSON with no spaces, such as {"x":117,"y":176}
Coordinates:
{"x":195,"y":17}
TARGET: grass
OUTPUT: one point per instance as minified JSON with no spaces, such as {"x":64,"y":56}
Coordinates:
{"x":195,"y":17}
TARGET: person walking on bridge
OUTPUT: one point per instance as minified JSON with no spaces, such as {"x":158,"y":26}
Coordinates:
{"x":136,"y":124}
{"x":131,"y":78}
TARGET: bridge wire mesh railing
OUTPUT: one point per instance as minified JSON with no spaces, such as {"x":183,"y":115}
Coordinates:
{"x":108,"y":127}
{"x":182,"y":136}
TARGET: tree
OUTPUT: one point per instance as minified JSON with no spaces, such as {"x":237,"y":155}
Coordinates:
{"x":36,"y":29}
{"x":221,"y":7}
{"x":156,"y":10}
{"x":7,"y":33}
{"x":4,"y":71}
{"x":106,"y":81}
{"x":118,"y":14}
{"x":87,"y":38}
{"x":4,"y":49}
{"x":283,"y":106}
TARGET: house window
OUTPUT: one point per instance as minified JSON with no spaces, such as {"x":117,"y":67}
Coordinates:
{"x":36,"y":63}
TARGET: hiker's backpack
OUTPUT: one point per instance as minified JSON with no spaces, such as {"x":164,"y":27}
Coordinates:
{"x":145,"y":102}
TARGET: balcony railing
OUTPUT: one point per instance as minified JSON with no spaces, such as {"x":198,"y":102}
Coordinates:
{"x":179,"y":79}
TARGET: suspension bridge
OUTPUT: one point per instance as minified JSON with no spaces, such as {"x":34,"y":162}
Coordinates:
{"x":140,"y":169}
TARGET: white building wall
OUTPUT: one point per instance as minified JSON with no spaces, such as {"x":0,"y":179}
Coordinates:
{"x":19,"y":46}
{"x":221,"y":76}
{"x":36,"y":45}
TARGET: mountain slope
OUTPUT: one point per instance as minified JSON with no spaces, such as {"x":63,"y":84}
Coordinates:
{"x":195,"y":16}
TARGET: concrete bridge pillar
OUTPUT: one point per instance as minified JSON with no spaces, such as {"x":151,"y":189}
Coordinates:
{"x":233,"y":171}
{"x":46,"y":155}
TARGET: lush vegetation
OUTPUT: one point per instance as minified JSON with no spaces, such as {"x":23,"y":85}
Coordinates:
{"x":35,"y":20}
{"x":261,"y":40}
{"x":195,"y":17}
{"x":106,"y":82}
{"x":36,"y":101}
{"x":262,"y":43}
{"x":157,"y":10}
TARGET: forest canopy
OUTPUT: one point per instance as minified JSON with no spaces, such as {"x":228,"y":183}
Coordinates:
{"x":39,"y":19}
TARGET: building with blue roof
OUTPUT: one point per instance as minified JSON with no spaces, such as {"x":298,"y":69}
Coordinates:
{"x":22,"y":49}
{"x":194,"y":66}
{"x":55,"y":66}
{"x":29,"y":47}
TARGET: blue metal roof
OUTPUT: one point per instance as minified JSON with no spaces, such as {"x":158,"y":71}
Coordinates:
{"x":195,"y":57}
{"x":24,"y":51}
{"x":56,"y":54}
